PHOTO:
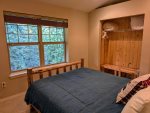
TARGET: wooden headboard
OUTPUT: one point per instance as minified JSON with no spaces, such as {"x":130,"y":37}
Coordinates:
{"x":40,"y":70}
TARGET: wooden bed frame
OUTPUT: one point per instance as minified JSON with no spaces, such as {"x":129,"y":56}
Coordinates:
{"x":48,"y":69}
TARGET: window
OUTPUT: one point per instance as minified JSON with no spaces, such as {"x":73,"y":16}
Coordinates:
{"x":54,"y":47}
{"x":34,"y":42}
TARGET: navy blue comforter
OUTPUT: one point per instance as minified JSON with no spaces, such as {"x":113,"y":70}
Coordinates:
{"x":78,"y":91}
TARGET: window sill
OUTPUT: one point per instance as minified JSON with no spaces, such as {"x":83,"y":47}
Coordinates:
{"x":18,"y":74}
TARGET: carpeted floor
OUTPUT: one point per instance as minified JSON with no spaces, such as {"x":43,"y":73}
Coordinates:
{"x":14,"y":104}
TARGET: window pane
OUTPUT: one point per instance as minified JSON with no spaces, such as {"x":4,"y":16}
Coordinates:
{"x":60,"y":38}
{"x":21,"y":33}
{"x":45,"y":30}
{"x":22,"y":57}
{"x":60,"y":31}
{"x":53,"y":30}
{"x":11,"y":28}
{"x":33,"y":38}
{"x":46,"y":38}
{"x":22,"y":29}
{"x":23,"y":38}
{"x":52,"y":34}
{"x":12,"y":38}
{"x":53,"y":38}
{"x":33,"y":29}
{"x":54,"y":53}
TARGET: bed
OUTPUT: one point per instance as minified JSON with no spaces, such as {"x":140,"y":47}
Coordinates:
{"x":81,"y":90}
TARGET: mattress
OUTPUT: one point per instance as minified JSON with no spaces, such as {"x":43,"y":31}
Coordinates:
{"x":79,"y":91}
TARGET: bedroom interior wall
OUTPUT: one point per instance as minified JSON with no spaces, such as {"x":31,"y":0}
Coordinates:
{"x":133,"y":7}
{"x":77,"y":42}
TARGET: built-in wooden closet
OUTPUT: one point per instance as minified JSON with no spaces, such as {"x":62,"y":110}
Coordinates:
{"x":121,"y":43}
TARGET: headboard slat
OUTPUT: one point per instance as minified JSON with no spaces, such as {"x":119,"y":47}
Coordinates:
{"x":49,"y":73}
{"x":40,"y":74}
{"x":57,"y":71}
{"x":70,"y":67}
{"x":76,"y":66}
{"x":65,"y":69}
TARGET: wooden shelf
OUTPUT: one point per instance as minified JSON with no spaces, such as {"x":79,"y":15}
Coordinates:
{"x":118,"y":69}
{"x":126,"y":30}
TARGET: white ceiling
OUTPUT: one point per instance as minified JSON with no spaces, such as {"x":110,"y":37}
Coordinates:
{"x":83,"y":5}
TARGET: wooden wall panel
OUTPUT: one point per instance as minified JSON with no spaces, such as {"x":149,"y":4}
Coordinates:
{"x":123,"y":48}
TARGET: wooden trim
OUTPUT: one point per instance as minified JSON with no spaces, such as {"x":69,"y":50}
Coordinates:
{"x":65,"y":46}
{"x":46,"y":43}
{"x":33,"y":43}
{"x":33,"y":16}
{"x":32,"y":71}
{"x":23,"y":44}
{"x":41,"y":46}
{"x":34,"y":21}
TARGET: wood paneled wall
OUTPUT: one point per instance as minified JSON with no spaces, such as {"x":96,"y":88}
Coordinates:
{"x":123,"y":46}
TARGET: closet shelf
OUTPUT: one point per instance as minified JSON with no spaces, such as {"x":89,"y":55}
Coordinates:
{"x":126,"y":30}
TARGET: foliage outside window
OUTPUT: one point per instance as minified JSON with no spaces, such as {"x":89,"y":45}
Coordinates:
{"x":31,"y":45}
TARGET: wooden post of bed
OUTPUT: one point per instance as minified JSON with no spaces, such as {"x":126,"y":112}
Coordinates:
{"x":30,"y":81}
{"x":30,"y":76}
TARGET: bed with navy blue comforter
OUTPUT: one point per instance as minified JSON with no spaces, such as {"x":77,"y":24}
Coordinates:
{"x":78,"y":91}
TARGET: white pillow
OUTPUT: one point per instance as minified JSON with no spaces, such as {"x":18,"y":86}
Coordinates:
{"x":133,"y":85}
{"x":138,"y":102}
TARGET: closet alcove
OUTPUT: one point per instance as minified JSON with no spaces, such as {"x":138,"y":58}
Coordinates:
{"x":121,"y":43}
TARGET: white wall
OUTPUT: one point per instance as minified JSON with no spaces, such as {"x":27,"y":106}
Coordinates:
{"x":133,"y":7}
